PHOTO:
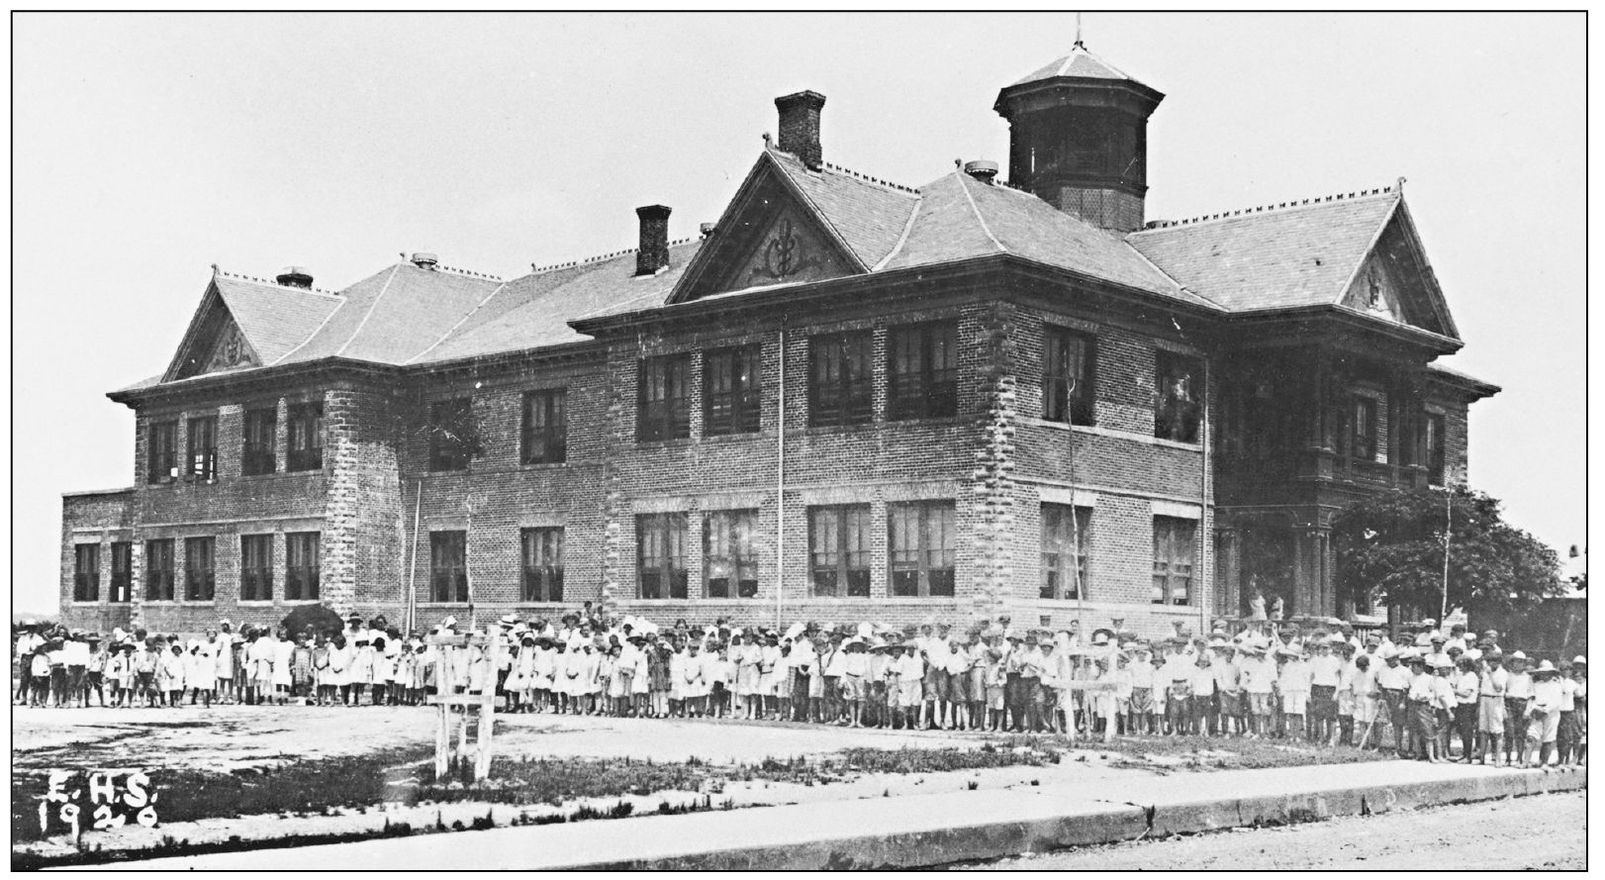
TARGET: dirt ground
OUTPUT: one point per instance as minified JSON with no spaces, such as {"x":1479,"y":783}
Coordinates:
{"x":1542,"y":832}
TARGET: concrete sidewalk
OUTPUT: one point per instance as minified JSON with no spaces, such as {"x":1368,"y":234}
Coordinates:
{"x":924,"y":830}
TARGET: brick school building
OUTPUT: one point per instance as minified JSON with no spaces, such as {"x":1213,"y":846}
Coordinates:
{"x":846,"y":400}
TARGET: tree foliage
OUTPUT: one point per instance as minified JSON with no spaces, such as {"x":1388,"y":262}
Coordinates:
{"x":1391,"y":545}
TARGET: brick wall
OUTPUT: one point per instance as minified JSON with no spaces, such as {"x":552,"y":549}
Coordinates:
{"x":99,"y":518}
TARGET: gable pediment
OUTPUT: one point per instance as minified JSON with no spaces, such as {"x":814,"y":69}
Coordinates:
{"x":769,"y":235}
{"x":213,"y":344}
{"x":1395,"y":282}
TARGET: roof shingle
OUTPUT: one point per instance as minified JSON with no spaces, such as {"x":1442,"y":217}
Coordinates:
{"x":1280,"y":258}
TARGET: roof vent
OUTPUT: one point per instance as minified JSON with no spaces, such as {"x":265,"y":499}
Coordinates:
{"x":295,"y":276}
{"x":983,"y":170}
{"x":425,"y":260}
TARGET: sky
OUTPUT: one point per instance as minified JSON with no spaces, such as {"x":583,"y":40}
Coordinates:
{"x":147,"y":147}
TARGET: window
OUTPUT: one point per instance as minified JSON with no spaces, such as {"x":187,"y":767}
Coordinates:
{"x":922,"y":371}
{"x":923,"y":548}
{"x":545,"y":432}
{"x":306,"y":437}
{"x":838,"y":542}
{"x":730,"y":391}
{"x":256,"y":568}
{"x":201,"y":443}
{"x":1364,"y":423}
{"x":86,"y":574}
{"x":1178,"y":402}
{"x":664,"y":399}
{"x":449,"y":443}
{"x":448,"y":566}
{"x":661,"y":537}
{"x":122,"y":572}
{"x":257,"y":456}
{"x":200,"y":557}
{"x":1065,"y":541}
{"x":840,"y":379}
{"x":162,"y":452}
{"x":301,"y":566}
{"x":729,"y":554}
{"x":159,"y":570}
{"x":543,"y":564}
{"x":1436,"y":448}
{"x":1173,"y":560}
{"x":1068,"y":388}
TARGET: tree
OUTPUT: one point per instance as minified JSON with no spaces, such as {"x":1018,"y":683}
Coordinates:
{"x":1391,"y":545}
{"x":320,"y":619}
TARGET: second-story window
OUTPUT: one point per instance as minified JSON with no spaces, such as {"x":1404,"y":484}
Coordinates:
{"x":161,"y":452}
{"x":202,"y":448}
{"x":306,"y":437}
{"x":840,"y":379}
{"x":545,"y":427}
{"x":922,"y":371}
{"x":1437,"y":449}
{"x":1363,"y":420}
{"x":664,"y":398}
{"x":257,"y":456}
{"x":730,"y":391}
{"x":1178,"y":398}
{"x":1067,"y":376}
{"x":449,"y":443}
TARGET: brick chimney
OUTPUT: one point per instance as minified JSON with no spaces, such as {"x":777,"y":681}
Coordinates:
{"x":653,"y":254}
{"x":799,"y":126}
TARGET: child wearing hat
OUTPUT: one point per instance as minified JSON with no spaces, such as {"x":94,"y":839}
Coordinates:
{"x":1543,"y":716}
{"x":1424,"y":712}
{"x":1201,"y":697}
{"x":854,"y":669}
{"x":170,"y":675}
{"x":119,"y":674}
{"x":1140,"y":676}
{"x":1293,"y":683}
{"x":1518,"y":696}
{"x":910,"y":675}
{"x":1443,"y":699}
{"x":1465,"y":711}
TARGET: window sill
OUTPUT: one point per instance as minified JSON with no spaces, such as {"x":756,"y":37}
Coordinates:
{"x":1111,"y":432}
{"x":542,"y":465}
{"x":255,"y":603}
{"x":747,"y":436}
{"x":665,"y":444}
{"x":304,"y":473}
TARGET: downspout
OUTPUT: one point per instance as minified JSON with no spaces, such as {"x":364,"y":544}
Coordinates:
{"x":412,"y":560}
{"x":1206,"y":538}
{"x":780,"y":484}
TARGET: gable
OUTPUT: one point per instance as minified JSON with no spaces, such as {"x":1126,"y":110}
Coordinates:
{"x":214,"y":343}
{"x":1394,"y":282}
{"x":1374,"y":291}
{"x":770,"y":234}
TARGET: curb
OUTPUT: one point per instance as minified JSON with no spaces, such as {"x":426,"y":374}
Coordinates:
{"x":1115,"y":824}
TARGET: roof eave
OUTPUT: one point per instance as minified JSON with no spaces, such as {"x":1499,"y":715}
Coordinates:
{"x":133,"y":397}
{"x":1435,"y":342}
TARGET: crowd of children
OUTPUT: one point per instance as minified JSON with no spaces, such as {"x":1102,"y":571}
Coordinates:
{"x":1420,"y":697}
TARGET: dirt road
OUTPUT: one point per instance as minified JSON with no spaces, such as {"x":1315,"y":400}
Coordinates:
{"x":1545,"y":832}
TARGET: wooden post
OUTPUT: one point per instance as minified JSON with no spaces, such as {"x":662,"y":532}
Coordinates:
{"x":487,"y":710}
{"x":442,"y":742}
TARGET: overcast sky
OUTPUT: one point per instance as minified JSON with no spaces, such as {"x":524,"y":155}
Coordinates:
{"x":149,"y":146}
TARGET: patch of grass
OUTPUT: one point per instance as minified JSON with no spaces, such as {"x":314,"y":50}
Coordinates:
{"x":1197,"y":752}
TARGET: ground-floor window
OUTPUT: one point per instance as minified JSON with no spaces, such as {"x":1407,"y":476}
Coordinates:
{"x":200,"y":574}
{"x":301,"y":566}
{"x":1174,"y":555}
{"x":122,"y":572}
{"x":86,"y":573}
{"x":159,"y":570}
{"x":1066,"y":535}
{"x":730,"y":554}
{"x":256,"y":568}
{"x":448,"y":566}
{"x":660,"y":538}
{"x":923,"y":547}
{"x":543,"y":564}
{"x":839,"y":541}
